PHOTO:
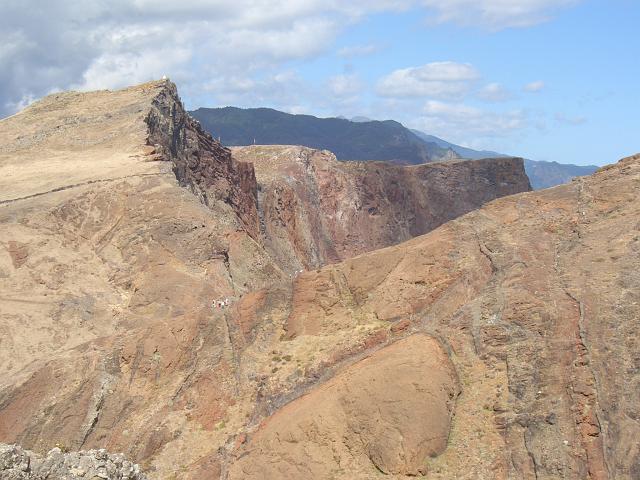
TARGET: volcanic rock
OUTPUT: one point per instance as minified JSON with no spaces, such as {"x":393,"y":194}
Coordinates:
{"x":500,"y":345}
{"x":316,"y":210}
{"x":389,"y":411}
{"x":19,"y":464}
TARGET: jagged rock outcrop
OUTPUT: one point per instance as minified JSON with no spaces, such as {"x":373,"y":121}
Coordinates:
{"x":200,"y":162}
{"x":316,"y":210}
{"x":19,"y":464}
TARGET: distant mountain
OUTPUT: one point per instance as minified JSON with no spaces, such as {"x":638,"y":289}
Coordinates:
{"x":360,"y":139}
{"x":541,"y":174}
{"x":373,"y":140}
{"x":464,"y":152}
{"x":549,"y":174}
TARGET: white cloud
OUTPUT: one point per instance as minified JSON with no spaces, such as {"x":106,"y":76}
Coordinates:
{"x":115,"y":70}
{"x":344,"y":85}
{"x":283,"y":90}
{"x":357,"y":50}
{"x":496,"y":14}
{"x":494,"y":92}
{"x":437,"y":80}
{"x":466,"y":124}
{"x":96,"y":44}
{"x":534,"y":87}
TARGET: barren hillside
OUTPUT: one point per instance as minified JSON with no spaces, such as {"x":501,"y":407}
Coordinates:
{"x":316,"y":210}
{"x":500,"y":345}
{"x":99,"y":234}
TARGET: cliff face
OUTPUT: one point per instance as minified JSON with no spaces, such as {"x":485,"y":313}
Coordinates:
{"x":99,"y":239}
{"x":199,"y":162}
{"x":316,"y":210}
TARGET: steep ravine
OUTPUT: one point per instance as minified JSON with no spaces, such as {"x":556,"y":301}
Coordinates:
{"x":316,"y":210}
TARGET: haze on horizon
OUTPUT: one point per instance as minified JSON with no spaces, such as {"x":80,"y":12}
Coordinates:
{"x":544,"y":79}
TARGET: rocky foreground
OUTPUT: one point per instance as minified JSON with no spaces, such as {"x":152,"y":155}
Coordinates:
{"x":19,"y":464}
{"x":499,"y":345}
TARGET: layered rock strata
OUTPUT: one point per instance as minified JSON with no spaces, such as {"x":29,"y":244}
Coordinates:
{"x":316,"y":210}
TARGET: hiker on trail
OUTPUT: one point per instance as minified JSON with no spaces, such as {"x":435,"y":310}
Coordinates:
{"x":221,"y":303}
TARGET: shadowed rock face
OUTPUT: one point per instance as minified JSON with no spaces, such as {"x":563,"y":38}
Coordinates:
{"x":316,"y":210}
{"x":509,"y":331}
{"x":199,"y":162}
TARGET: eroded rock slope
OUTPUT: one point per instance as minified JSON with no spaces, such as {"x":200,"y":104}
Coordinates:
{"x":98,"y":236}
{"x":500,"y":345}
{"x":536,"y":298}
{"x":316,"y":210}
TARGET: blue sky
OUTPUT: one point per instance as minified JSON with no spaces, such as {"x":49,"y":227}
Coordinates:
{"x":588,"y":58}
{"x":545,"y":79}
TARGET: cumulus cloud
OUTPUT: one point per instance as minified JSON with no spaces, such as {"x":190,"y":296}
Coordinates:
{"x":58,"y":44}
{"x":437,"y":80}
{"x":494,"y":92}
{"x":534,"y":87}
{"x":285,"y":90}
{"x":466,"y":123}
{"x":496,"y":14}
{"x":344,"y":85}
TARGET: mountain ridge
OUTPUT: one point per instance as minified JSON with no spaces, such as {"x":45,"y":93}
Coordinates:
{"x":376,"y":140}
{"x":543,"y":174}
{"x":234,"y":127}
{"x":143,"y":313}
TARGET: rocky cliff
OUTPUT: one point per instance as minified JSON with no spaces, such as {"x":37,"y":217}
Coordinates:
{"x":316,"y":210}
{"x":535,"y":299}
{"x":499,"y":345}
{"x":198,"y":161}
{"x":102,"y":244}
